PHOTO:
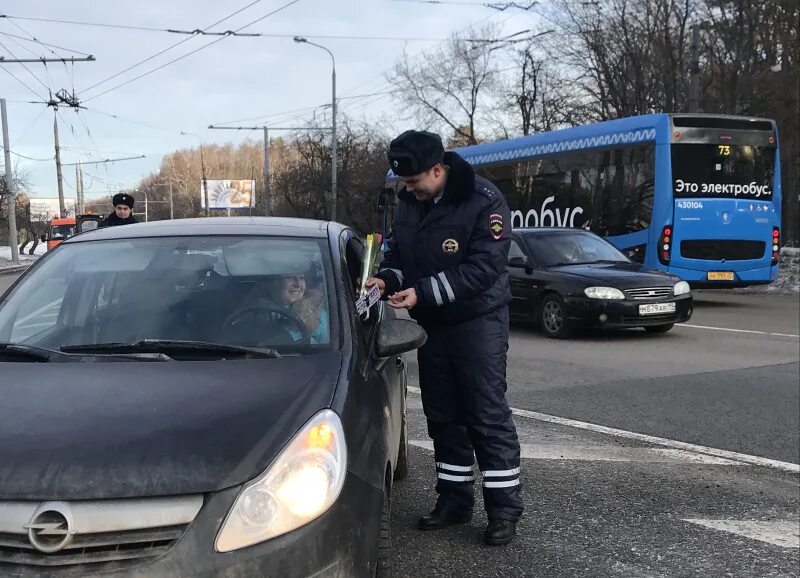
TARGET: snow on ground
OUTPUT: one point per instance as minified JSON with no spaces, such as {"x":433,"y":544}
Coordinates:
{"x":5,"y":255}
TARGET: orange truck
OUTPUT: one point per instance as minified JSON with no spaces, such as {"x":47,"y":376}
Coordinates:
{"x":61,"y":229}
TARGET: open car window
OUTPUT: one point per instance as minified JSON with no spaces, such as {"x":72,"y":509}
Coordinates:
{"x":263,"y":292}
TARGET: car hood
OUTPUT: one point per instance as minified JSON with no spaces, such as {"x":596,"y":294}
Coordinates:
{"x":119,"y":430}
{"x":620,"y":275}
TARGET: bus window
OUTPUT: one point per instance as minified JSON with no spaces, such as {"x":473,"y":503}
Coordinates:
{"x":608,"y":191}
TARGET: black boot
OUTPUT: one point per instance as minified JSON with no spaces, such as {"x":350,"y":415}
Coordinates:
{"x":499,"y":532}
{"x":442,"y":516}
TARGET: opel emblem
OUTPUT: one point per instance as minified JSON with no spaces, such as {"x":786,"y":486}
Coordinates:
{"x":450,"y":246}
{"x":50,"y":529}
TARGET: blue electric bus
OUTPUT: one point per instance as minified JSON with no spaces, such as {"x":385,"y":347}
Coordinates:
{"x":694,"y":194}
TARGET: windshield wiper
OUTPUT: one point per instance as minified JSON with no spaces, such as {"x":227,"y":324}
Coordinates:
{"x":172,"y":346}
{"x":27,"y":351}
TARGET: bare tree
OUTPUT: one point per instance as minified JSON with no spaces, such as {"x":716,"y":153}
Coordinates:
{"x":538,"y":96}
{"x":447,"y":90}
{"x":630,"y":54}
{"x":21,"y":183}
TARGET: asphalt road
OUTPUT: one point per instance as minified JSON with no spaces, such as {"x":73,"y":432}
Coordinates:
{"x":606,"y":505}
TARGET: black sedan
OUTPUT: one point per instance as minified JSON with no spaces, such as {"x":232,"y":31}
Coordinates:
{"x":568,"y":279}
{"x":200,"y":398}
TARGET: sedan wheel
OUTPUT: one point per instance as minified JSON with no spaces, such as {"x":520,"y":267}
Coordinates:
{"x":553,"y":317}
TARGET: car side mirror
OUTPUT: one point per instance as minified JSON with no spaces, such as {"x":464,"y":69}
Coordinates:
{"x":397,"y":336}
{"x":519,"y":262}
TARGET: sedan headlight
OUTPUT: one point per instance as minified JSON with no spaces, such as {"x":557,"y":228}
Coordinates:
{"x":681,"y":288}
{"x":604,"y":293}
{"x":298,"y":487}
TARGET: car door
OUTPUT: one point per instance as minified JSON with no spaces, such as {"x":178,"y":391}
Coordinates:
{"x":390,"y":372}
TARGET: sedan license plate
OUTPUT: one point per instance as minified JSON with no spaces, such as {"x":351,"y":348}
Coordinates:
{"x":656,"y":308}
{"x":720,"y":275}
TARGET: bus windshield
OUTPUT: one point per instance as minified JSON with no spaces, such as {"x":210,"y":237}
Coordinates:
{"x":723,"y":171}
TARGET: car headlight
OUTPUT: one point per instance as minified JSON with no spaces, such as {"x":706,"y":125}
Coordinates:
{"x":298,"y":487}
{"x":604,"y":293}
{"x":681,"y":288}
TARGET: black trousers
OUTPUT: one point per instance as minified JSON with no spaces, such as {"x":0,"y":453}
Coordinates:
{"x":462,"y":370}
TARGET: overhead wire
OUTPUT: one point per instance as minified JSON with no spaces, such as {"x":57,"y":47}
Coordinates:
{"x":25,"y":67}
{"x":159,"y":53}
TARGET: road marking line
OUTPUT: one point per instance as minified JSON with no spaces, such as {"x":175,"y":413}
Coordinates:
{"x":737,"y":330}
{"x":621,"y":433}
{"x":570,"y":452}
{"x":783,"y":533}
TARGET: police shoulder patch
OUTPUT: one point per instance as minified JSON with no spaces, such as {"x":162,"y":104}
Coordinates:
{"x":496,"y":226}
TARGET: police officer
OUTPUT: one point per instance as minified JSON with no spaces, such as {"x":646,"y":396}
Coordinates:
{"x":446,"y":264}
{"x":123,"y":211}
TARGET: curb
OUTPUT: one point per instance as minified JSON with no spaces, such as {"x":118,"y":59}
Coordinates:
{"x":12,"y":270}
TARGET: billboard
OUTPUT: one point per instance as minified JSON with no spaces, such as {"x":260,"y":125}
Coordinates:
{"x":229,"y":194}
{"x":42,"y":210}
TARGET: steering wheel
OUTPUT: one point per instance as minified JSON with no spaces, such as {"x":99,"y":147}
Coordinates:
{"x":268,"y":309}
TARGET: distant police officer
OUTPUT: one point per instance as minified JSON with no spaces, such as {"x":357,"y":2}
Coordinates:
{"x":446,"y":264}
{"x":123,"y":211}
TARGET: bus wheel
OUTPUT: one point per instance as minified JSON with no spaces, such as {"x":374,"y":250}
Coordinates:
{"x":553,"y":317}
{"x":659,"y":328}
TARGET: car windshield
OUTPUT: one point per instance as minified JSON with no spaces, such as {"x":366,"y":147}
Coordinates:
{"x":265,"y":292}
{"x":571,"y":247}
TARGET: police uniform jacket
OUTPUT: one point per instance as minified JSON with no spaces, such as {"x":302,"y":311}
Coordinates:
{"x":454,"y":252}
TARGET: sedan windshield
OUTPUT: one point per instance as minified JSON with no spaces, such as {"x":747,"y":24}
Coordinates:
{"x":571,"y":247}
{"x":174,"y":294}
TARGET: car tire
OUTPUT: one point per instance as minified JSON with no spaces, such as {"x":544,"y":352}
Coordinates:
{"x":553,"y":319}
{"x":659,"y":328}
{"x":401,"y":467}
{"x":384,"y":567}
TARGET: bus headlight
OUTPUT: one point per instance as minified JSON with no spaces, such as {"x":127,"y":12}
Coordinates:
{"x":604,"y":293}
{"x":301,"y":484}
{"x":681,"y":288}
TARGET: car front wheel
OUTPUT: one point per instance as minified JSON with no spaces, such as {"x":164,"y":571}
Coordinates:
{"x":553,"y":319}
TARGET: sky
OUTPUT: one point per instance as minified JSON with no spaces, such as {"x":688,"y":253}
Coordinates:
{"x":274,"y":78}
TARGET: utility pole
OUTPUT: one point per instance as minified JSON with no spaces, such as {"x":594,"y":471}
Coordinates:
{"x":334,"y":198}
{"x":694,"y":67}
{"x":60,"y":178}
{"x":334,"y":157}
{"x":171,"y":209}
{"x":265,"y":175}
{"x":82,"y":203}
{"x":205,"y":182}
{"x":77,"y":191}
{"x":12,"y":193}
